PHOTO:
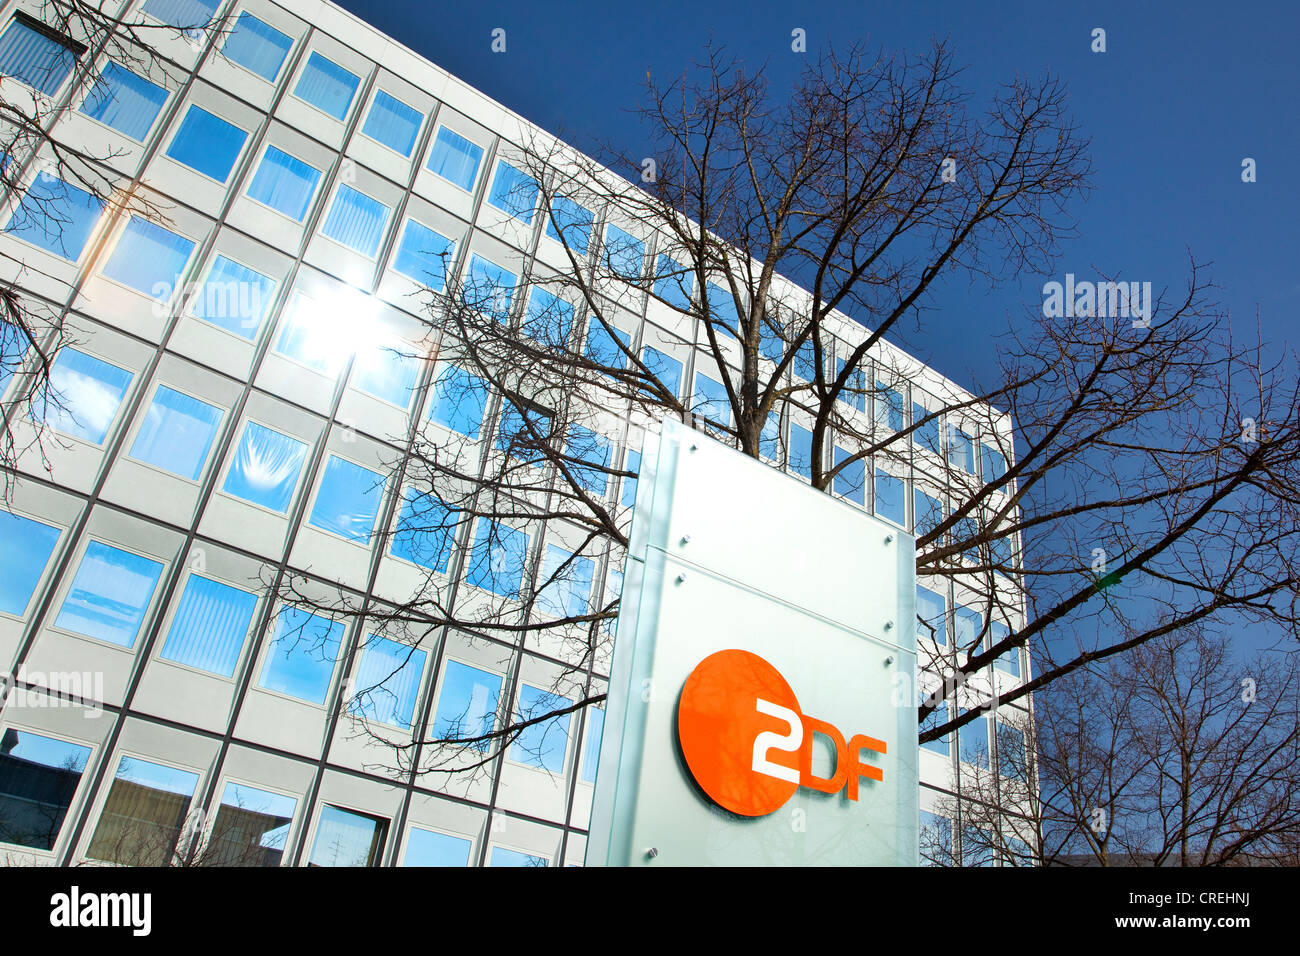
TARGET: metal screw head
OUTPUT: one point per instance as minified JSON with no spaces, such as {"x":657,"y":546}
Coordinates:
{"x":652,"y":853}
{"x":889,"y":625}
{"x":889,"y":660}
{"x":694,"y":446}
{"x":686,"y":539}
{"x":681,"y":577}
{"x":889,"y":539}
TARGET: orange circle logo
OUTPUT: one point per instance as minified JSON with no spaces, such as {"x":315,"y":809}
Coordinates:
{"x":740,"y":729}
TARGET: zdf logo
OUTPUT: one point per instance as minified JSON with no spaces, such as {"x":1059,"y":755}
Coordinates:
{"x":747,"y":743}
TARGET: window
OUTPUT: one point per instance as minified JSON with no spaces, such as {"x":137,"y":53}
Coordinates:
{"x":39,"y":776}
{"x":573,"y":222}
{"x":936,"y":840}
{"x":124,"y":101}
{"x":973,"y":741}
{"x":182,"y":13}
{"x":467,"y":704}
{"x":591,"y":745}
{"x":490,"y":288}
{"x":548,"y":319}
{"x":854,"y":392}
{"x":931,"y":608}
{"x":564,"y":583}
{"x":663,"y":367}
{"x":497,"y":563}
{"x":149,"y":259}
{"x":805,"y":360}
{"x":424,"y":255}
{"x":300,"y":658}
{"x":25,"y":549}
{"x":393,"y":123}
{"x":504,"y":857}
{"x":851,"y":480}
{"x":1008,"y":661}
{"x":801,"y":451}
{"x":56,"y":216}
{"x":388,"y":371}
{"x":14,"y":344}
{"x":544,"y":744}
{"x":251,"y":827}
{"x":455,"y":159}
{"x":937,"y":718}
{"x":209,"y":626}
{"x":257,"y":46}
{"x":995,"y":464}
{"x":430,"y":848}
{"x":524,"y":431}
{"x":513,"y":192}
{"x":674,"y":284}
{"x":927,"y":435}
{"x":1013,"y":760}
{"x":347,"y":502}
{"x":589,"y":452}
{"x":458,"y":402}
{"x":961,"y":450}
{"x":265,"y":468}
{"x":426,"y":529}
{"x":348,"y":838}
{"x":109,"y":595}
{"x":769,"y":439}
{"x":35,"y":55}
{"x":144,"y":814}
{"x":284,"y":183}
{"x":613,"y":590}
{"x":710,"y":400}
{"x":327,"y":86}
{"x":82,"y":396}
{"x":722,"y":310}
{"x":603,"y":350}
{"x":891,"y":497}
{"x":633,"y":464}
{"x":356,"y":221}
{"x":177,"y":433}
{"x":928,"y":511}
{"x":234,"y":297}
{"x":387,"y":681}
{"x":207,"y":144}
{"x":624,"y":254}
{"x":967,"y":625}
{"x":771,"y":342}
{"x":314,"y":336}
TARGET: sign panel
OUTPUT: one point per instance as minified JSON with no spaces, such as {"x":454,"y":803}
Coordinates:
{"x":759,"y":710}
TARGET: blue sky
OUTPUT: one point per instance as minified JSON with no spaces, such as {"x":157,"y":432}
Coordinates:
{"x":1183,"y":93}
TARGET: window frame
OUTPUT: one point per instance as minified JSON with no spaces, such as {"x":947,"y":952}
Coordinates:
{"x":169,"y":621}
{"x":306,"y":62}
{"x":201,"y":285}
{"x":339,"y":186}
{"x":261,"y":158}
{"x":233,"y":447}
{"x":316,"y":490}
{"x":164,"y":150}
{"x":78,"y":796}
{"x":131,"y":437}
{"x":370,"y":105}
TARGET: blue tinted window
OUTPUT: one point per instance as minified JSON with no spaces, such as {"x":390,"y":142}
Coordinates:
{"x":1012,"y":758}
{"x":889,"y":408}
{"x":891,"y":497}
{"x":426,"y":529}
{"x":926,"y":435}
{"x":82,"y":395}
{"x":633,"y":464}
{"x":931,"y":608}
{"x":35,"y":59}
{"x":356,"y":220}
{"x":182,"y":13}
{"x":344,"y":838}
{"x":285,"y":183}
{"x":805,"y":360}
{"x":591,"y":743}
{"x":564,"y":583}
{"x":524,"y":432}
{"x":769,"y":440}
{"x":503,"y":857}
{"x":56,"y":216}
{"x":265,"y":468}
{"x":177,"y":433}
{"x":673,"y":284}
{"x":109,"y":595}
{"x":548,"y":319}
{"x":497,"y":562}
{"x":393,"y":123}
{"x":722,"y":310}
{"x":663,"y":367}
{"x":1009,"y":661}
{"x":711,"y":400}
{"x":603,"y":350}
{"x":590,"y":452}
{"x":348,"y":500}
{"x":938,"y":717}
{"x":936,"y":840}
{"x":428,"y":848}
{"x":207,"y":143}
{"x":929,"y":511}
{"x":124,"y":101}
{"x":25,"y":549}
{"x":14,"y":344}
{"x":851,"y":480}
{"x":572,"y":221}
{"x":624,"y":253}
{"x":801,"y":451}
{"x":209,"y":627}
{"x":541,"y":745}
{"x":458,"y":401}
{"x":467,"y":704}
{"x":327,"y":86}
{"x":967,"y":625}
{"x":251,"y":827}
{"x":513,"y":192}
{"x":961,"y":450}
{"x":455,"y":158}
{"x":257,"y":46}
{"x":973,"y":741}
{"x":854,"y":392}
{"x":490,"y":288}
{"x":41,"y":776}
{"x":771,"y":345}
{"x":389,"y":372}
{"x":387,"y":681}
{"x":424,"y":255}
{"x":300,"y":659}
{"x":149,"y":258}
{"x":234,"y":297}
{"x":995,"y":464}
